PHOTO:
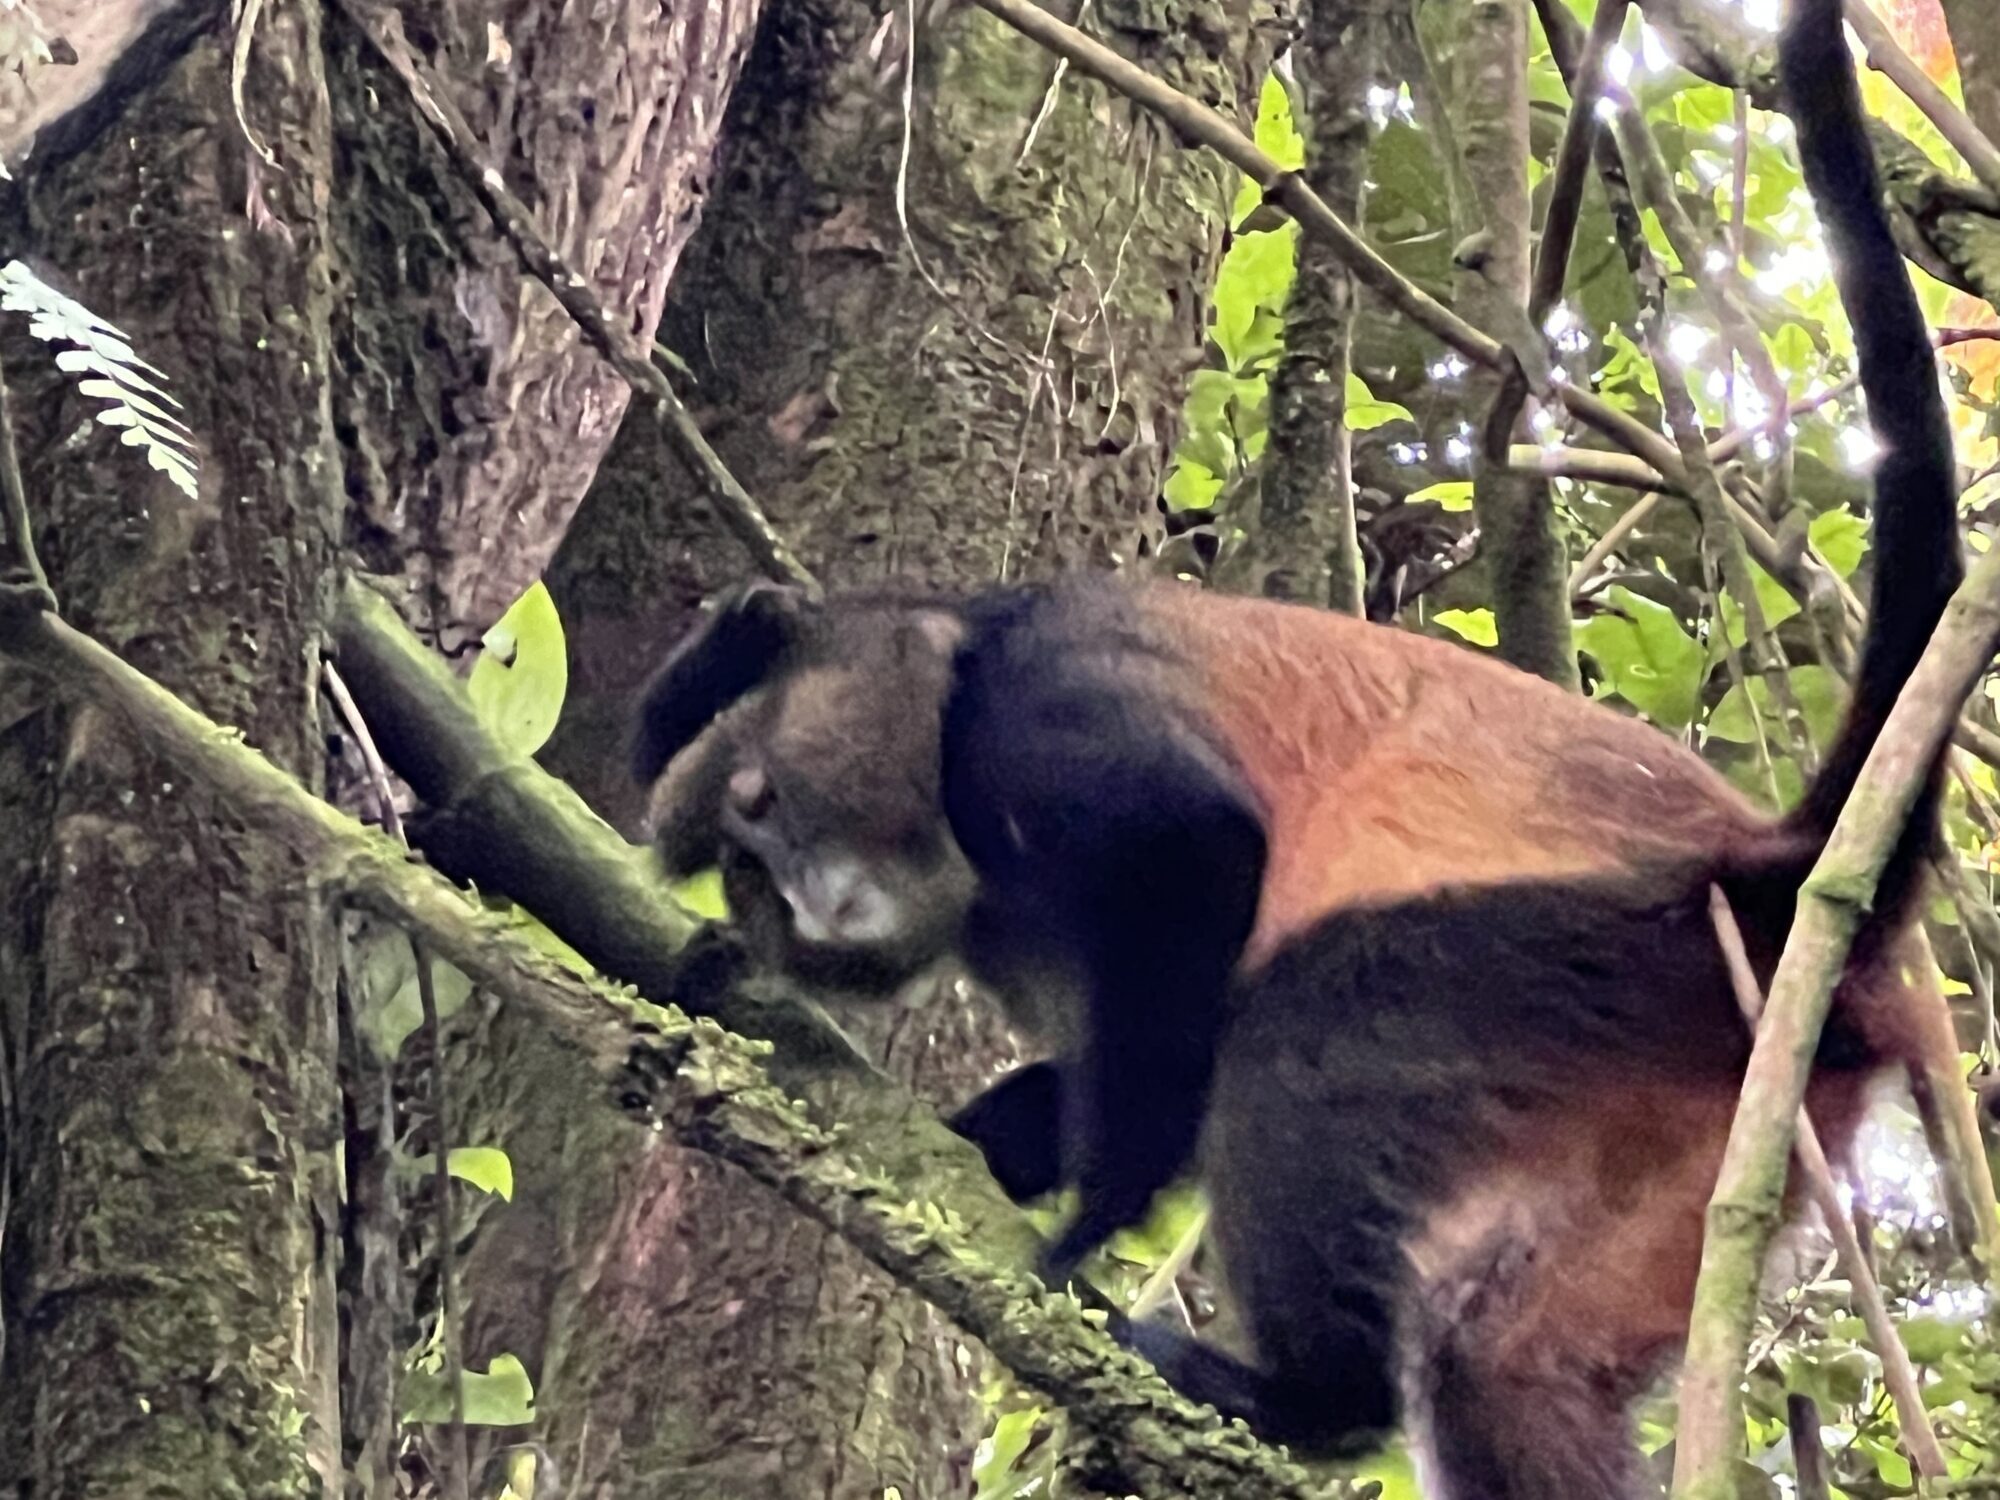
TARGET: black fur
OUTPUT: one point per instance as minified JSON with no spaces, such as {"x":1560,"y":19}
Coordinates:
{"x":741,"y":645}
{"x":1916,"y":558}
{"x":1118,"y":852}
{"x":1017,"y":1126}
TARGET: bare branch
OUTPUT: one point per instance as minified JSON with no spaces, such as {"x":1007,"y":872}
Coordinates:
{"x":1953,"y":123}
{"x":1580,"y":133}
{"x":1897,"y":1372}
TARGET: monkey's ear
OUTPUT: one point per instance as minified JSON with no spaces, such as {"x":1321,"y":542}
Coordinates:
{"x":748,"y":634}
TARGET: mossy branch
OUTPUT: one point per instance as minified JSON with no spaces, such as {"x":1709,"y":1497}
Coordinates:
{"x":710,"y":1088}
{"x":1744,"y":1211}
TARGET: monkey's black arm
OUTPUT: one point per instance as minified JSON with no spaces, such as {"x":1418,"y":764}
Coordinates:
{"x":1017,"y":1126}
{"x":1116,"y":852}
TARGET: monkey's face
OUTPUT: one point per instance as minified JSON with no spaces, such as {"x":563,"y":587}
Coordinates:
{"x":818,"y":797}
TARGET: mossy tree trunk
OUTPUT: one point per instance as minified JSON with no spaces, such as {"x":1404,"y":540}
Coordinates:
{"x":1520,"y":537}
{"x":993,"y":391}
{"x":473,"y":416}
{"x":166,"y":980}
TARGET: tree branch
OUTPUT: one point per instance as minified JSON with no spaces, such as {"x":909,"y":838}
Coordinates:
{"x":1810,"y":1156}
{"x":1744,"y":1211}
{"x":710,"y":1089}
{"x":1953,"y":123}
{"x":1580,"y":131}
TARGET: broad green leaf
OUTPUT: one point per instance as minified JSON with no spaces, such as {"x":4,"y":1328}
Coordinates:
{"x":1446,"y":494}
{"x":517,"y":684}
{"x":503,"y":1396}
{"x":1817,"y":690}
{"x":1257,"y":272}
{"x":487,"y":1168}
{"x":994,"y":1461}
{"x":1890,"y":1466}
{"x":1931,"y":1340}
{"x":1841,"y":537}
{"x":1365,"y":412}
{"x":1475,"y":625}
{"x":1647,"y":658}
{"x":1277,"y":137}
{"x":701,"y":893}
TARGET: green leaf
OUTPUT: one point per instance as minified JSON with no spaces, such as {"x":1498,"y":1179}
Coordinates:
{"x":1447,"y":494}
{"x":1394,"y":1472}
{"x":1818,"y":691}
{"x":517,"y":685}
{"x":391,"y":1004}
{"x":701,"y":893}
{"x":1890,"y":1466}
{"x":1277,"y":137}
{"x":1256,"y":273}
{"x":1841,"y":537}
{"x":1364,"y":411}
{"x":503,"y":1396}
{"x":487,"y":1168}
{"x":1932,"y":1340}
{"x":994,"y":1461}
{"x":1647,"y":658}
{"x":1475,"y":625}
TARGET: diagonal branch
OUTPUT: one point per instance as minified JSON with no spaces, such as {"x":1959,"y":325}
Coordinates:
{"x":1744,"y":1212}
{"x":708,"y":1087}
{"x":1953,"y":123}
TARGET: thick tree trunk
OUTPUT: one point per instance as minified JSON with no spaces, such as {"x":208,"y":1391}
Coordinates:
{"x":166,"y":981}
{"x":472,"y":413}
{"x":994,"y":391}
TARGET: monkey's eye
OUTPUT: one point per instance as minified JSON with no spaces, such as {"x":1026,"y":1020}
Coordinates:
{"x":751,"y":793}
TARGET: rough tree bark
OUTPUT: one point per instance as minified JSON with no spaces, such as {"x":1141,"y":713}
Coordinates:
{"x":166,"y":985}
{"x":1001,"y":394}
{"x":471,"y":414}
{"x":1305,"y":527}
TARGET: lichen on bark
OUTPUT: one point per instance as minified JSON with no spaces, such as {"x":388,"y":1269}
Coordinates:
{"x":167,"y":980}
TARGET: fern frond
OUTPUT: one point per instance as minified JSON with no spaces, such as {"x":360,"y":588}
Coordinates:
{"x":112,"y":371}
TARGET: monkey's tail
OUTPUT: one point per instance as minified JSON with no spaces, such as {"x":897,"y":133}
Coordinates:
{"x":1917,"y":562}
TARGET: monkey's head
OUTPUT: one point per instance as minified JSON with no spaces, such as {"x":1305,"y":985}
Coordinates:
{"x":800,"y":742}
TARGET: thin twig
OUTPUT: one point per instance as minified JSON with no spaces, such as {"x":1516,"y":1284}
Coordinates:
{"x":602,"y":329}
{"x":1897,"y":1372}
{"x":458,"y":1480}
{"x":1573,"y":162}
{"x":1953,"y":123}
{"x":1744,"y":1211}
{"x":1615,"y":533}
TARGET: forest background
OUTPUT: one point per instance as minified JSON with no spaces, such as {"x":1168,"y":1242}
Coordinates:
{"x":551,"y":318}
